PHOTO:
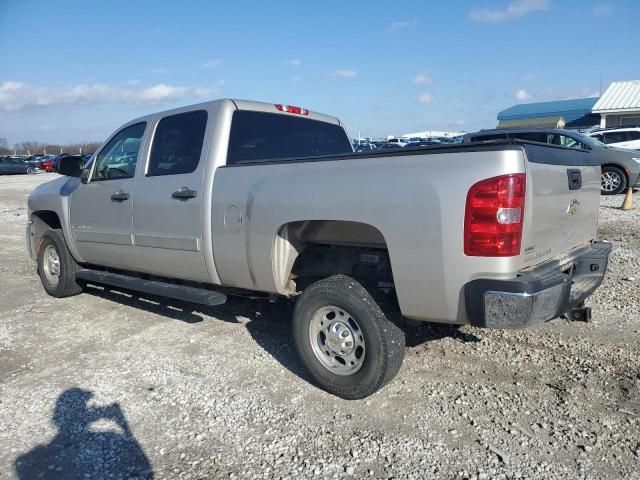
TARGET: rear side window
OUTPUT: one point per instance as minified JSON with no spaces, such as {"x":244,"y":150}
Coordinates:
{"x":488,"y":138}
{"x":272,"y":136}
{"x":634,"y":135}
{"x":177,"y":144}
{"x":531,"y":136}
{"x":616,"y":137}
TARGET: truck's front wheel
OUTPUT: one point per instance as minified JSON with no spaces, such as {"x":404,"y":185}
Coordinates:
{"x":56,"y":266}
{"x":344,"y":339}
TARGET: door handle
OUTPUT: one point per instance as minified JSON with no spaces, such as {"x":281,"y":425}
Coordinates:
{"x":120,"y":196}
{"x":184,"y":194}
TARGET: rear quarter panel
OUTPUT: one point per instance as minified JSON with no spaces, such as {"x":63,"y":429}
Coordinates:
{"x":416,"y":201}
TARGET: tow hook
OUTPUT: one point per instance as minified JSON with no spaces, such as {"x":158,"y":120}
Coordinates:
{"x":582,"y":314}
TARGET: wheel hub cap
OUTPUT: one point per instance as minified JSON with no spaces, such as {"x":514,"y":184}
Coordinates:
{"x":51,"y":265}
{"x":610,"y":181}
{"x":337,"y":340}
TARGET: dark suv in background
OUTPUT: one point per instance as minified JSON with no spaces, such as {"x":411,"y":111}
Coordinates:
{"x":620,"y":167}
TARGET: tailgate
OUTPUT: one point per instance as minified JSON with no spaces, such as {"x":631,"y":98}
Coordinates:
{"x":562,"y":201}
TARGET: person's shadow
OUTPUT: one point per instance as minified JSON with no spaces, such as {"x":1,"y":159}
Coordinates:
{"x":79,"y":452}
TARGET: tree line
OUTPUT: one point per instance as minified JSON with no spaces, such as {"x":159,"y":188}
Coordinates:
{"x":35,"y":148}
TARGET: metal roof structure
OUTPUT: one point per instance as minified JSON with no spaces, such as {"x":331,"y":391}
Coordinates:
{"x":575,"y":112}
{"x":620,"y":97}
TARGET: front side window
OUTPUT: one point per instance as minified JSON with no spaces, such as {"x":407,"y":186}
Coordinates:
{"x":119,"y":157}
{"x":177,"y":144}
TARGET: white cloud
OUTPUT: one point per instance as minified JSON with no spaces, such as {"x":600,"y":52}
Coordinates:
{"x":425,"y":98}
{"x":208,"y":92}
{"x":344,"y":74}
{"x":522,"y":95}
{"x":211,"y":64}
{"x":516,"y":9}
{"x":16,"y":96}
{"x":132,"y":82}
{"x":159,"y":71}
{"x":401,"y":25}
{"x":421,"y":78}
{"x":295,"y":78}
{"x":294,"y":62}
{"x":601,"y":10}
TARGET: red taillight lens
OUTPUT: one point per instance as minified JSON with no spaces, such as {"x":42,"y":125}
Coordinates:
{"x":292,"y":109}
{"x":493,"y":216}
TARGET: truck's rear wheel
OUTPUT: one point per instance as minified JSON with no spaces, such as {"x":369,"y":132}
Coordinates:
{"x":344,"y":339}
{"x":56,"y":266}
{"x":613,"y":182}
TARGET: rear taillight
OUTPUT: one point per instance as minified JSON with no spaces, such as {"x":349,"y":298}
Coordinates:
{"x":292,"y":109}
{"x":493,"y":216}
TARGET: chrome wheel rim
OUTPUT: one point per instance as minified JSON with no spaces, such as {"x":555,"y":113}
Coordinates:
{"x":337,"y":340}
{"x":610,"y":181}
{"x":51,"y":265}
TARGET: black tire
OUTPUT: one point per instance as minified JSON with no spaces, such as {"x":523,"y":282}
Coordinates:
{"x":384,"y":342}
{"x":30,"y":170}
{"x":66,"y":285}
{"x":613,"y":174}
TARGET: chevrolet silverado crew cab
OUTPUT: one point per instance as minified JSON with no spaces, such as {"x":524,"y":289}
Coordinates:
{"x":237,"y":197}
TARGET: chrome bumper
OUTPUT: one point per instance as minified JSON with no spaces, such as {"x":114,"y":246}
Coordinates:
{"x":539,"y":294}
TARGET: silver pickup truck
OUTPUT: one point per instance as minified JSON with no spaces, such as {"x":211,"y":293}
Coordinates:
{"x":237,"y":197}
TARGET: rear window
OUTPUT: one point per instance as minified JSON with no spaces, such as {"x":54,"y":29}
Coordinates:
{"x":272,"y":136}
{"x":531,"y":136}
{"x":488,"y":138}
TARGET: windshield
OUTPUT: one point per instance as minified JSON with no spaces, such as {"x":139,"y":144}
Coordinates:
{"x":587,"y":140}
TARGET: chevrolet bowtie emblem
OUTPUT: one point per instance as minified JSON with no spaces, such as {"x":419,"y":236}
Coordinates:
{"x":573,"y":207}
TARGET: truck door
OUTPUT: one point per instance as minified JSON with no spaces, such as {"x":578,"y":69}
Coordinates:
{"x":101,"y":209}
{"x":168,"y":202}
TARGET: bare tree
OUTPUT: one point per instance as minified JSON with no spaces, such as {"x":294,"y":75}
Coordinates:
{"x":35,"y":148}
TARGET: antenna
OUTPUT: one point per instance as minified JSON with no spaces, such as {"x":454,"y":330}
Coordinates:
{"x":600,"y":84}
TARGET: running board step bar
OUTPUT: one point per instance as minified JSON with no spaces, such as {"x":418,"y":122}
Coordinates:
{"x":152,"y":287}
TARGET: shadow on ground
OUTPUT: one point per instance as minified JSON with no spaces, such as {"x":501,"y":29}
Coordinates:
{"x":79,"y":451}
{"x":269,"y":324}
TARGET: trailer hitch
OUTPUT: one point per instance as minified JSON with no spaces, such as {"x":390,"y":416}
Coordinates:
{"x":579,"y":314}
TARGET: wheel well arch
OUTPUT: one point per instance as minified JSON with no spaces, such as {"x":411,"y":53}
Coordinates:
{"x":46,"y":220}
{"x":321,"y":248}
{"x":620,"y":167}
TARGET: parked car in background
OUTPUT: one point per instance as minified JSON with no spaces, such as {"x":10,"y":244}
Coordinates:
{"x":389,"y":145}
{"x":620,"y":137}
{"x":46,"y":163}
{"x":620,"y":167}
{"x":401,"y":142}
{"x":364,"y":147}
{"x":12,"y":165}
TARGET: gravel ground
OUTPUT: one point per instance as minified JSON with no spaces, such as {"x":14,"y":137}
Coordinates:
{"x":104,"y":385}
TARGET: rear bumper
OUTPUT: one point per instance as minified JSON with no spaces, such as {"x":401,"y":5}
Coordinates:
{"x":540,"y":294}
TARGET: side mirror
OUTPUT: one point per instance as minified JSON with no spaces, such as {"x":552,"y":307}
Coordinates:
{"x":70,"y":166}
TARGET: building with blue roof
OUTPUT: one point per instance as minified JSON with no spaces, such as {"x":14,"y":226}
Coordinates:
{"x":573,"y":114}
